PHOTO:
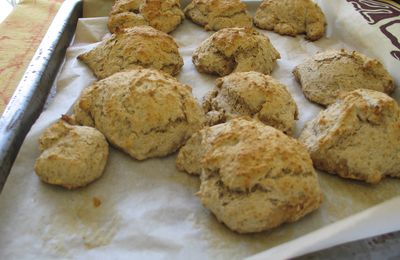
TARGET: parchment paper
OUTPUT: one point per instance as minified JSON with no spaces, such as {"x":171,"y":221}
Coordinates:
{"x":148,"y":209}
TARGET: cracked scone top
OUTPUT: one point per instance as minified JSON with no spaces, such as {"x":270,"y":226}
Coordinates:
{"x":291,"y":17}
{"x":141,"y":46}
{"x":235,"y":50}
{"x":357,"y":137}
{"x":163,"y":15}
{"x":251,"y":94}
{"x":144,"y":112}
{"x":327,"y":75}
{"x":253,"y":177}
{"x":218,"y":14}
{"x":72,"y":156}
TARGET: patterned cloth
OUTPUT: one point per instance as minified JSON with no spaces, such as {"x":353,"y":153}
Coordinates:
{"x":20,"y":36}
{"x":384,"y":15}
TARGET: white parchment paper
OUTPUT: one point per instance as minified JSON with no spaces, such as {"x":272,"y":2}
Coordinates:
{"x":148,"y":209}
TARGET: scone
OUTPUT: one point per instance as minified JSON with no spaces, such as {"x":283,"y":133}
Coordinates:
{"x":143,"y":112}
{"x":72,"y":156}
{"x":235,"y":50}
{"x":163,"y":15}
{"x":291,"y":17}
{"x":251,"y":94}
{"x":253,"y":177}
{"x":358,"y":137}
{"x":327,"y":75}
{"x":218,"y":14}
{"x":141,"y":46}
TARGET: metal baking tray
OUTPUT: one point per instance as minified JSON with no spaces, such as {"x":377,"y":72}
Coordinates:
{"x":31,"y":93}
{"x":30,"y":96}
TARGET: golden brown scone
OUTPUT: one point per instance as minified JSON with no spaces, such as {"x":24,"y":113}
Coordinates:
{"x":235,"y":50}
{"x":163,"y":15}
{"x":141,"y":46}
{"x":72,"y":156}
{"x":358,"y":137}
{"x":251,"y":94}
{"x":218,"y":14}
{"x":253,"y":177}
{"x":327,"y":75}
{"x":144,"y":112}
{"x":190,"y":156}
{"x":291,"y":17}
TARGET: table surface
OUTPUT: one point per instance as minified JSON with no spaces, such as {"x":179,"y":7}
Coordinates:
{"x":19,"y":39}
{"x":380,"y":247}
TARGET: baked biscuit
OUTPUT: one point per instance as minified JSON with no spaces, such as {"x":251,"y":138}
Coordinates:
{"x":357,"y":137}
{"x":218,"y":14}
{"x":291,"y":17}
{"x":329,"y":74}
{"x":141,"y":46}
{"x":72,"y":156}
{"x":254,"y":177}
{"x":144,"y":112}
{"x":163,"y":15}
{"x":235,"y":50}
{"x":252,"y":94}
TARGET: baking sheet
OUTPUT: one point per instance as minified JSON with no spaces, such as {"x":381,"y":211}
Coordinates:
{"x":148,"y":209}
